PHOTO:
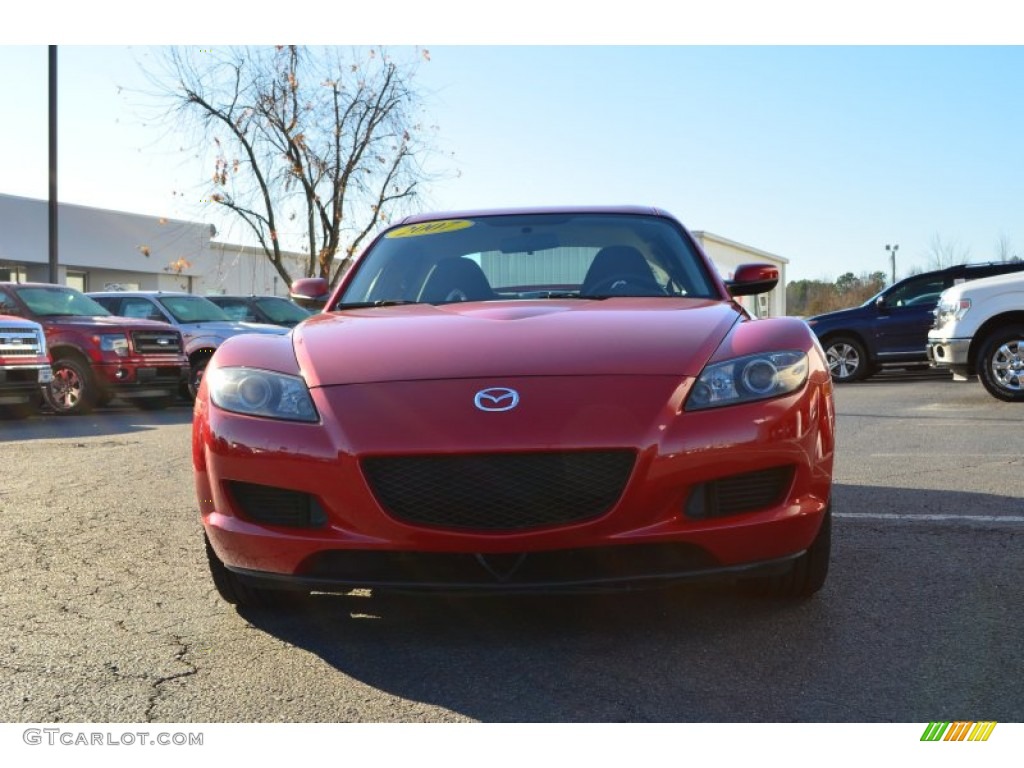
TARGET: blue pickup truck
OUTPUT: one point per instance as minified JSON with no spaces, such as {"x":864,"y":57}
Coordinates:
{"x":891,"y":328}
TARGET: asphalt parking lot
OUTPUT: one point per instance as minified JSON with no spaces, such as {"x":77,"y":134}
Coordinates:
{"x":110,"y":616}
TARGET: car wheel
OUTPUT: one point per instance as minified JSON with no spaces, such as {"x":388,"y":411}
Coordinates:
{"x":847,"y":360}
{"x":236,"y":592}
{"x":72,"y":390}
{"x":1001,"y":363}
{"x":195,"y":377}
{"x":805,"y":575}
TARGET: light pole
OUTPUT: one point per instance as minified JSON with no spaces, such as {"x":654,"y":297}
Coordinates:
{"x":892,"y":252}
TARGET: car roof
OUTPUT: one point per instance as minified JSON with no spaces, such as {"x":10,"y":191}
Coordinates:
{"x":139,"y":293}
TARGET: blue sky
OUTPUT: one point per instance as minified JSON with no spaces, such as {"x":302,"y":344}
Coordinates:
{"x":821,"y":154}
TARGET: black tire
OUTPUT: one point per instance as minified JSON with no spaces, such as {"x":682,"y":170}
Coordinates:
{"x":806,"y":575}
{"x":241,"y":595}
{"x":1001,"y":363}
{"x":73,"y":390}
{"x":847,"y":359}
{"x":195,"y":377}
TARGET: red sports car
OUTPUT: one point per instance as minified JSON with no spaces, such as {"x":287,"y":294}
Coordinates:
{"x":524,"y":400}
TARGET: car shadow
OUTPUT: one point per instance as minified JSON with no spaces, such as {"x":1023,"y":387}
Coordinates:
{"x":115,"y":419}
{"x":874,"y":645}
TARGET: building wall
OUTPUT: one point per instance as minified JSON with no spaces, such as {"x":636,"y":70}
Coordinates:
{"x":727,"y":255}
{"x":101,"y":249}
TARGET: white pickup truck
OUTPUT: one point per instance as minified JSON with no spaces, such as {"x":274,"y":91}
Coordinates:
{"x":979,"y":330}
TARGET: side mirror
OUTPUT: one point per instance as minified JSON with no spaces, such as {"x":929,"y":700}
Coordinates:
{"x":310,"y":292}
{"x":752,"y":279}
{"x":881,"y":306}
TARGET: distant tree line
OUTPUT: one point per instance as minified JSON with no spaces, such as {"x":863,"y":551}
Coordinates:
{"x":812,"y":297}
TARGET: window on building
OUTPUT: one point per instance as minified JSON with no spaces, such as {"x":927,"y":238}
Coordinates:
{"x":76,"y":280}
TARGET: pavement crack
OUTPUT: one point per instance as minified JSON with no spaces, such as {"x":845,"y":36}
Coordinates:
{"x":157,"y":684}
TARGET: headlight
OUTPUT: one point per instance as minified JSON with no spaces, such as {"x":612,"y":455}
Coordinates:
{"x":948,"y":311}
{"x":114,"y":342}
{"x":749,"y":378}
{"x":261,"y":393}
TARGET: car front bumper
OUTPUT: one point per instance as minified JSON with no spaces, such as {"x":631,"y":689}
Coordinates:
{"x":948,"y":353}
{"x":134,"y":380}
{"x":737,"y":490}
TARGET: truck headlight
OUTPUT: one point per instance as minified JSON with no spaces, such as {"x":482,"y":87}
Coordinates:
{"x":114,"y":342}
{"x":749,"y":378}
{"x":951,"y":311}
{"x":256,"y":392}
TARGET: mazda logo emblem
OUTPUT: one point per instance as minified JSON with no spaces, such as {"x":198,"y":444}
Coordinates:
{"x":496,"y":399}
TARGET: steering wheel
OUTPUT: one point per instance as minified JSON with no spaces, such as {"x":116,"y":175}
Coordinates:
{"x":626,"y":284}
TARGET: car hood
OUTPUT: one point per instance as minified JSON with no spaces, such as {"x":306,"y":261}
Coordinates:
{"x":106,"y":322}
{"x":623,"y":336}
{"x":225,"y":328}
{"x":840,"y":314}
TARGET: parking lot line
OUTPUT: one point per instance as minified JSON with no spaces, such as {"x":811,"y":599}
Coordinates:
{"x":930,"y":518}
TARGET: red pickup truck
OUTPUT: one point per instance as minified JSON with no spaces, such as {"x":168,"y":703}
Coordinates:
{"x":24,"y":365}
{"x":96,"y":356}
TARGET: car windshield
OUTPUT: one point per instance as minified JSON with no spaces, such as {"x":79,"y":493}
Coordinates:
{"x":57,"y":301}
{"x":533,"y":256}
{"x":193,"y":309}
{"x":281,"y":310}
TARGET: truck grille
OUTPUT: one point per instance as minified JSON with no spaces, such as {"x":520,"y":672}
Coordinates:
{"x":499,"y":491}
{"x":19,"y":342}
{"x":156,"y":342}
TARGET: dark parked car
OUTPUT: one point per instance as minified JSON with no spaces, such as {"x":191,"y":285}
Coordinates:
{"x":891,"y":328}
{"x":275,"y":310}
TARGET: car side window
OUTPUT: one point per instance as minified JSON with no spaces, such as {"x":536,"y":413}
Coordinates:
{"x":917,"y":293}
{"x":142,"y":308}
{"x":236,"y":310}
{"x":7,"y":305}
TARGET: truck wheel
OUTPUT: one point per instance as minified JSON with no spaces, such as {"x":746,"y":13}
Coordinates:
{"x":847,"y":360}
{"x":195,"y":377}
{"x":1001,"y":363}
{"x":72,"y":390}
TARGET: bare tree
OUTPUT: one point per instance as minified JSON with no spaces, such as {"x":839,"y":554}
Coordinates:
{"x":946,"y":253}
{"x":1004,"y":249}
{"x":311,"y":148}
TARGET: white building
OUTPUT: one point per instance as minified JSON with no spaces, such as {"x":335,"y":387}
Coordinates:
{"x":102,"y":250}
{"x":727,"y":255}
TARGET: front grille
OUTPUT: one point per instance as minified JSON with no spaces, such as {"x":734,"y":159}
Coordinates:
{"x":277,"y":506}
{"x":19,"y":342}
{"x":156,"y":342}
{"x":499,"y":491}
{"x":739,"y":493}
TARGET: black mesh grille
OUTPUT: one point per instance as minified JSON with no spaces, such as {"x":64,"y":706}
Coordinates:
{"x":499,"y":492}
{"x":157,"y":342}
{"x":277,"y":506}
{"x":740,"y":493}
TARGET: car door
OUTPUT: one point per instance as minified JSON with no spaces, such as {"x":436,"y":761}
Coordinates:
{"x":905,"y":314}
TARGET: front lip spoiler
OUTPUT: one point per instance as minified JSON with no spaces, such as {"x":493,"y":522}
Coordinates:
{"x":600,"y":584}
